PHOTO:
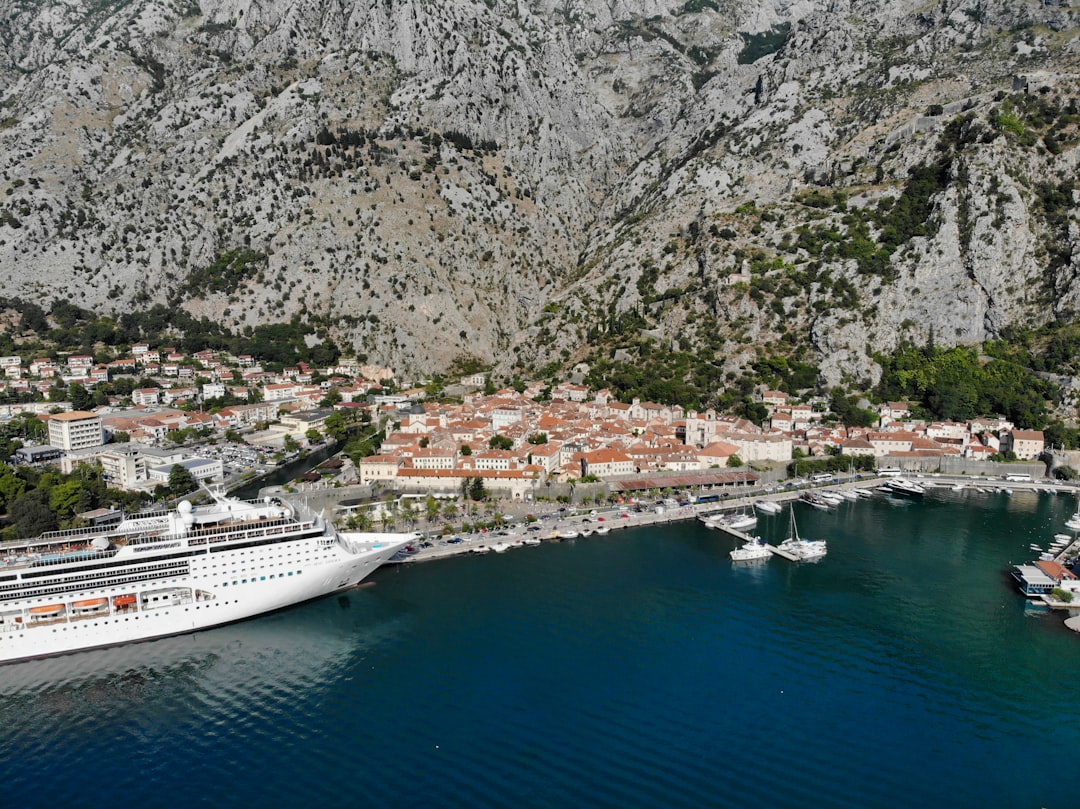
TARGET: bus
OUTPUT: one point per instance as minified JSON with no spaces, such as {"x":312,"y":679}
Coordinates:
{"x":889,"y":472}
{"x":1016,"y":477}
{"x":821,"y":477}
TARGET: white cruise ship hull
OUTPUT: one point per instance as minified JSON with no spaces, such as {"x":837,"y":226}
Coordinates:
{"x":205,"y":587}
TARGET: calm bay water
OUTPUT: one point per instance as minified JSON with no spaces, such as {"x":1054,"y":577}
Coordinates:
{"x":638,"y":669}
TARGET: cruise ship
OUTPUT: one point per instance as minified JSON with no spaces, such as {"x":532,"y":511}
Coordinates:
{"x":174,"y":572}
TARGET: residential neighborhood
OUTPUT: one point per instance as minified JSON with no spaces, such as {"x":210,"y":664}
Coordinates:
{"x":516,"y":441}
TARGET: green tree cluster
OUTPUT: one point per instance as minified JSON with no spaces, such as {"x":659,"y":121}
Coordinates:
{"x":953,"y":384}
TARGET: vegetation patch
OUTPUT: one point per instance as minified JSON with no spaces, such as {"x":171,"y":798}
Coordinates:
{"x":755,"y":46}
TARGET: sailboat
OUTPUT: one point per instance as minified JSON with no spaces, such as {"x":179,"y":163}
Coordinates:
{"x":802,"y":549}
{"x":1073,"y":523}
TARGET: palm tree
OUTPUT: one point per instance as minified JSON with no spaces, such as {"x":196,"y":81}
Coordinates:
{"x":409,"y":513}
{"x":450,"y":510}
{"x":359,"y":521}
{"x":431,"y":506}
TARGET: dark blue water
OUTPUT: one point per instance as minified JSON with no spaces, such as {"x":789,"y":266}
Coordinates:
{"x":639,"y":669}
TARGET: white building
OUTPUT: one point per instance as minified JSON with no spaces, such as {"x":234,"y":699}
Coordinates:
{"x":76,"y":430}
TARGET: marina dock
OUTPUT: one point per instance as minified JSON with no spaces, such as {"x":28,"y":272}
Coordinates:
{"x":554,"y":527}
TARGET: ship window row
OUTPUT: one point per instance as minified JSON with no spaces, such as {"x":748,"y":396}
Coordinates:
{"x":252,"y":580}
{"x":253,"y":544}
{"x":76,"y":586}
{"x":35,"y":574}
{"x":93,"y":578}
{"x":117,"y":619}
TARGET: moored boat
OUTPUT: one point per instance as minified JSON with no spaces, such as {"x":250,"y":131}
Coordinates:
{"x":904,"y":487}
{"x":815,"y":500}
{"x":754,"y":549}
{"x":768,"y":506}
{"x":798,"y":549}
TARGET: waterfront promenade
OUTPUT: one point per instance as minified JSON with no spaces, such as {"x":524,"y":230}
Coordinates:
{"x":554,"y":526}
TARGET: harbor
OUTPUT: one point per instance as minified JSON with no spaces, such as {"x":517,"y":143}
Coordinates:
{"x":632,"y":647}
{"x":528,"y":524}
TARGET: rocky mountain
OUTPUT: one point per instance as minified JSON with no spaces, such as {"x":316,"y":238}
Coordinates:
{"x":528,"y":182}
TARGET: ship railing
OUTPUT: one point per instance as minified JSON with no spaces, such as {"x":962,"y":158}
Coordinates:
{"x":256,"y":531}
{"x":53,"y":556}
{"x":69,"y":533}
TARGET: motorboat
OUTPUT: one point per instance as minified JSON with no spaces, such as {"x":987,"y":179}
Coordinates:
{"x":754,"y":549}
{"x":904,"y":487}
{"x":815,"y":500}
{"x":768,"y":506}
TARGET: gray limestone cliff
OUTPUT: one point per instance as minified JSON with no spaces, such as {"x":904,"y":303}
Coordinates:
{"x":522,"y":181}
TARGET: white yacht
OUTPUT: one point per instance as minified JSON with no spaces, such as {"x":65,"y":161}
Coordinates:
{"x":904,"y":487}
{"x":754,"y":549}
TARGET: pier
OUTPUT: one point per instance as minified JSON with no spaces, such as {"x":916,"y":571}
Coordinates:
{"x":554,"y":527}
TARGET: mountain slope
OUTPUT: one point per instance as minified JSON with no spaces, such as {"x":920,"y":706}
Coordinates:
{"x":523,"y":182}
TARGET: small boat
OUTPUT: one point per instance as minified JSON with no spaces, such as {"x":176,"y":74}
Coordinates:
{"x":754,"y":549}
{"x":123,"y":601}
{"x":531,"y":541}
{"x":47,"y":610}
{"x":739,"y":521}
{"x":768,"y":506}
{"x":568,"y":534}
{"x":904,"y":487}
{"x":831,"y":498}
{"x":501,"y":547}
{"x":91,"y":604}
{"x":848,"y":494}
{"x":601,"y":530}
{"x":813,"y":499}
{"x":802,"y":550}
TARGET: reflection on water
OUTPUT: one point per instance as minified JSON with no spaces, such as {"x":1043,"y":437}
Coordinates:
{"x":301,"y":646}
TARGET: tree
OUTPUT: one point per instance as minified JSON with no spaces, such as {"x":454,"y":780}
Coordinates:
{"x":313,"y":436}
{"x":359,"y":521}
{"x":31,"y":515}
{"x":409,"y":513}
{"x":335,"y":426}
{"x":538,"y":438}
{"x":69,"y":498}
{"x":431,"y":508}
{"x":332,"y":397}
{"x":465,"y":449}
{"x":501,"y":442}
{"x":80,"y":398}
{"x":12,"y":487}
{"x":290,"y":444}
{"x":734,"y":460}
{"x":181,"y":481}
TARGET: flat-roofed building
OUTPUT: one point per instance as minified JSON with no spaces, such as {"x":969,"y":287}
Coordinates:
{"x":76,"y":430}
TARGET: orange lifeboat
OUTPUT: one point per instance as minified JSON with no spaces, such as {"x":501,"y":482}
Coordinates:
{"x":47,"y":609}
{"x":91,"y":604}
{"x":123,"y":601}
